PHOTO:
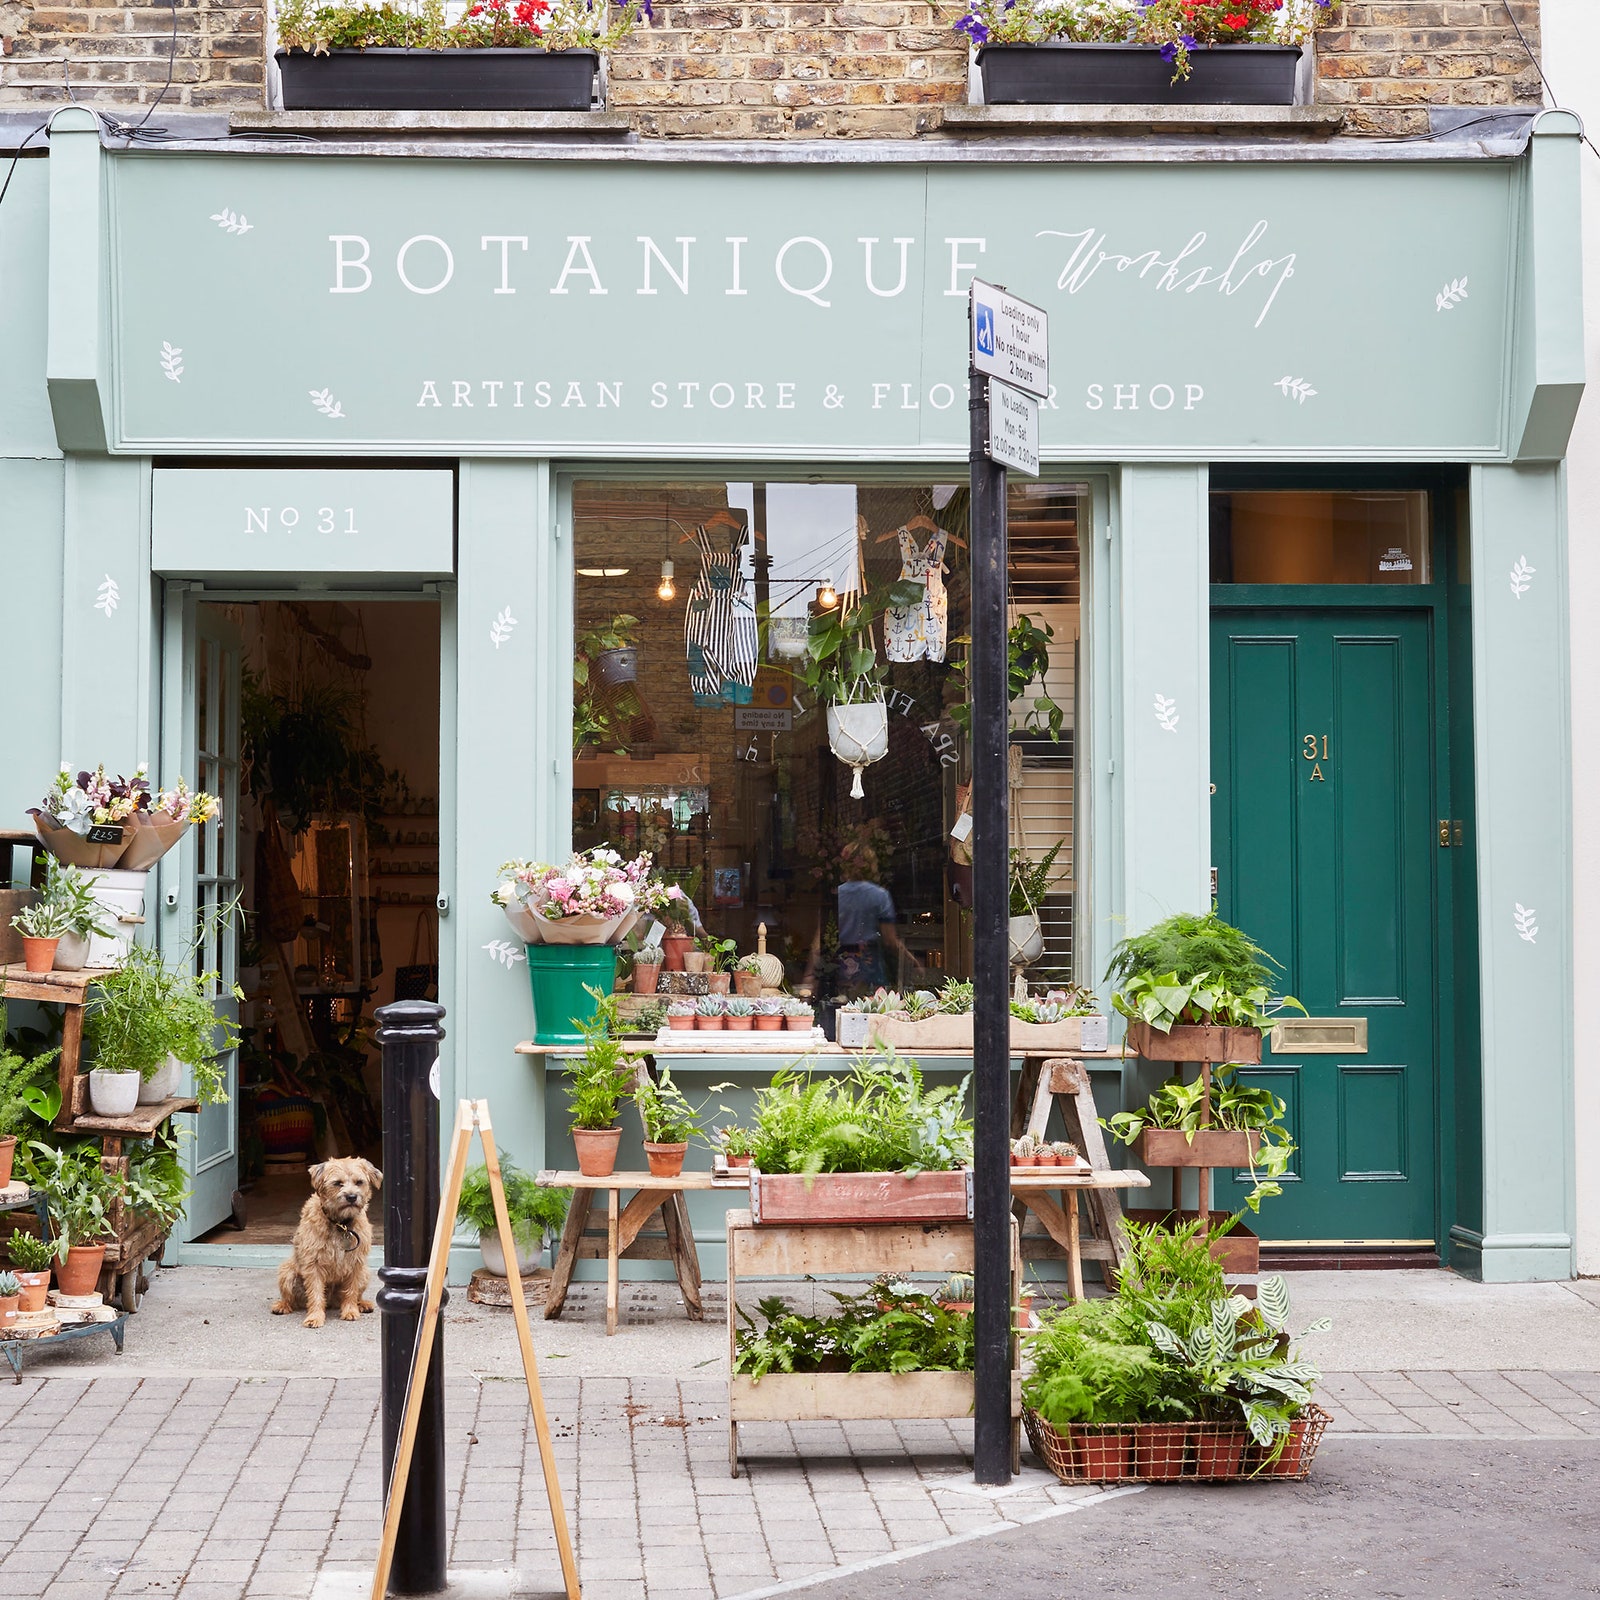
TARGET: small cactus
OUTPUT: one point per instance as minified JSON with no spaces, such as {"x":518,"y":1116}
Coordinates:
{"x":1025,"y":1148}
{"x":1065,"y":1151}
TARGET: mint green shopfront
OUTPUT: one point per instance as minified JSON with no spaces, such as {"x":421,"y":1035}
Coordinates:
{"x":1305,"y":438}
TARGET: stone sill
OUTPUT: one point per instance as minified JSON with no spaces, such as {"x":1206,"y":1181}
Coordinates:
{"x":1315,"y":121}
{"x":424,"y":123}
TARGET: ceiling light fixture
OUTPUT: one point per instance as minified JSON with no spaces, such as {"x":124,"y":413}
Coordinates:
{"x":666,"y":589}
{"x":603,"y":572}
{"x":827,"y":595}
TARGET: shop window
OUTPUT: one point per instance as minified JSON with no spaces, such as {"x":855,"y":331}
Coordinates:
{"x":1320,"y":536}
{"x":697,"y":738}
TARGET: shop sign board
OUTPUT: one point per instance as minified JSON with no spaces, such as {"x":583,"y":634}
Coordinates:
{"x":263,"y":522}
{"x":639,"y":310}
{"x":1013,"y":428}
{"x":1010,"y":339}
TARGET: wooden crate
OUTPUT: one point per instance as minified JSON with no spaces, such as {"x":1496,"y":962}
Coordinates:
{"x":1186,"y":1043}
{"x":860,"y":1197}
{"x":856,"y":1396}
{"x":1209,"y":1147}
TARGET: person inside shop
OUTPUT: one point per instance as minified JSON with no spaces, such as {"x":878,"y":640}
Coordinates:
{"x":868,"y":936}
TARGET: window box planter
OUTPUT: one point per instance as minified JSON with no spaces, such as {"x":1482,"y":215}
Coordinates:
{"x":860,"y":1197}
{"x":1192,"y":1043}
{"x":438,"y":80}
{"x":1135,"y":74}
{"x":955,"y":1033}
{"x":1210,"y":1147}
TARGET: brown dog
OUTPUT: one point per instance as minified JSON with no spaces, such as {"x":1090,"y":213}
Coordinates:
{"x":329,"y":1260}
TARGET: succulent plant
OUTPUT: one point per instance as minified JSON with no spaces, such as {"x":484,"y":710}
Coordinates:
{"x":958,"y":1286}
{"x":769,"y":1006}
{"x":681,"y":1008}
{"x":793,"y":1007}
{"x":738,"y":1007}
{"x":709,"y":1005}
{"x":923,"y":1003}
{"x":955,"y":998}
{"x":9,"y":1287}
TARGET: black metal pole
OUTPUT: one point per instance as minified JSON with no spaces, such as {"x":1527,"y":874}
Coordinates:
{"x":409,"y":1032}
{"x":991,"y":1054}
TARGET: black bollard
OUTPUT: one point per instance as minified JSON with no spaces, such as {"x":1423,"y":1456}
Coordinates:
{"x":409,"y":1033}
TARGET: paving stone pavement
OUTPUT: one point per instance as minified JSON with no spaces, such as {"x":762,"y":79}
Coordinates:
{"x":214,"y":1488}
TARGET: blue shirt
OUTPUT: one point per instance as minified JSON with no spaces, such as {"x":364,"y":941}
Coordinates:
{"x":862,"y":906}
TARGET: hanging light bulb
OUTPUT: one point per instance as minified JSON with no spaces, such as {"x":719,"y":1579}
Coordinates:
{"x":666,"y":589}
{"x":827,"y":595}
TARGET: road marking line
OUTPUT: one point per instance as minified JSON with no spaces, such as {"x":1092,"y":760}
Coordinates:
{"x":870,"y":1563}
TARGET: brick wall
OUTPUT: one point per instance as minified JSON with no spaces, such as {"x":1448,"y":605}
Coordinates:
{"x":1387,"y":60}
{"x":792,"y":68}
{"x":117,"y":54}
{"x":775,"y":69}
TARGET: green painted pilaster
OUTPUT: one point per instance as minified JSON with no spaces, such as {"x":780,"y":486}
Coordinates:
{"x":1161,"y":544}
{"x":513,"y":777}
{"x":108,"y":643}
{"x":1521,"y":737}
{"x":78,"y":353}
{"x":1547,"y":375}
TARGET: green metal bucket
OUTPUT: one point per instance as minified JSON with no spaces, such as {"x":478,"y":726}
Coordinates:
{"x":557,"y":974}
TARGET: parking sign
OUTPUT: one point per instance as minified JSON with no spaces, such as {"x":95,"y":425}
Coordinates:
{"x":1010,"y":339}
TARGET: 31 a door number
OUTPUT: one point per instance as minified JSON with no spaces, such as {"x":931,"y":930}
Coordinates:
{"x":1316,"y":753}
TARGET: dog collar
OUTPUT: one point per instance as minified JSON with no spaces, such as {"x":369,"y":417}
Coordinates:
{"x":351,"y":1241}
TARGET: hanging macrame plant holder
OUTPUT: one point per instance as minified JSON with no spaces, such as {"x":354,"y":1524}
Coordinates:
{"x":858,"y":734}
{"x":1024,"y":934}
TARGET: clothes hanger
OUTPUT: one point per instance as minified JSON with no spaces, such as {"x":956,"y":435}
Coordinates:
{"x":717,"y":519}
{"x":921,"y":522}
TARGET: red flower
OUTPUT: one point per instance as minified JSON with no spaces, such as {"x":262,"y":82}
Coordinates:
{"x":1236,"y":19}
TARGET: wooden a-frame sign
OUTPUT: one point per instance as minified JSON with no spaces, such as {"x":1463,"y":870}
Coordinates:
{"x":470,"y":1114}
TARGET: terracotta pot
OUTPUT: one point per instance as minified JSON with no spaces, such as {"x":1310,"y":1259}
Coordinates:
{"x":765,"y":1024}
{"x":666,"y":1160}
{"x":799,"y":1024}
{"x":739,"y":1163}
{"x":39,"y":955}
{"x":695,"y":960}
{"x":1160,"y":1449}
{"x":1217,"y":1452}
{"x":673,"y":949}
{"x":710,"y":1024}
{"x":719,"y":982}
{"x":597,"y":1150}
{"x":8,"y":1313}
{"x":35,"y":1287}
{"x":645,"y":978}
{"x":1104,"y":1457}
{"x":738,"y":1024}
{"x":8,"y":1154}
{"x":682,"y":1024}
{"x":748,"y":984}
{"x":80,"y":1272}
{"x":1292,"y":1461}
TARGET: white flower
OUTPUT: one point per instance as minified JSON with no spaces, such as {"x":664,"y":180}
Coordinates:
{"x":622,"y":893}
{"x":504,"y":894}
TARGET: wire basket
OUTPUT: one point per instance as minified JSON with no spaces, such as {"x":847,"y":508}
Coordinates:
{"x":1172,"y":1452}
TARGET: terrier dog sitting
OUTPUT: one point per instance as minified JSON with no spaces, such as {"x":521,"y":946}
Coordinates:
{"x":329,"y":1258}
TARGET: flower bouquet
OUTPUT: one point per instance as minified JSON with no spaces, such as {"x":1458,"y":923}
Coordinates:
{"x":93,"y":820}
{"x":155,"y":827}
{"x":594,"y":898}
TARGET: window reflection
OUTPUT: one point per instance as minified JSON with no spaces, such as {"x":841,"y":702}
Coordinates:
{"x":1320,"y":536}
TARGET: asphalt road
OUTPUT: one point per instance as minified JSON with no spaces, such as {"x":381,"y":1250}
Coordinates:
{"x":1378,"y":1518}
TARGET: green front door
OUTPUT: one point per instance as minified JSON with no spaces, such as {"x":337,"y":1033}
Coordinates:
{"x":1324,"y":832}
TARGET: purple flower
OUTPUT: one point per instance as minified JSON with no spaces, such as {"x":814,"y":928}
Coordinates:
{"x":647,"y":11}
{"x":1169,"y":52}
{"x":973,"y":26}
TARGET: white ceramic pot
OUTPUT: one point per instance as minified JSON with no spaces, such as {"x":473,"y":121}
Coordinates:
{"x":1026,"y":939}
{"x":164,"y":1085}
{"x":72,"y":952}
{"x":113,"y":1094}
{"x":494,"y":1258}
{"x":121,"y":897}
{"x":852,"y":1029}
{"x":859,"y":735}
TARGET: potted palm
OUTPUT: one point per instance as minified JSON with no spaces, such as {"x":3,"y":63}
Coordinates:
{"x":535,"y":1213}
{"x":1141,"y":52}
{"x":500,"y":55}
{"x":598,"y":1082}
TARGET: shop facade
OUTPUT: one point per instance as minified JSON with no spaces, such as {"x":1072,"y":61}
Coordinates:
{"x":1300,"y":537}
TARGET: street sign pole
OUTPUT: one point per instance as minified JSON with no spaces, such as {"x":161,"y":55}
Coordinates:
{"x":1007,"y":375}
{"x":991,"y":1025}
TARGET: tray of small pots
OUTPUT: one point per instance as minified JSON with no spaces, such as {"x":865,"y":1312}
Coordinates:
{"x":1034,"y":1155}
{"x":740,"y":1024}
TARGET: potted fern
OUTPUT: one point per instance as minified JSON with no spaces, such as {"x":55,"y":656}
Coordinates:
{"x":535,"y":1213}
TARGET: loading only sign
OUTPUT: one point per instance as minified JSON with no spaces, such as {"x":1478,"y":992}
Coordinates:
{"x":1013,"y":428}
{"x":1011,"y":348}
